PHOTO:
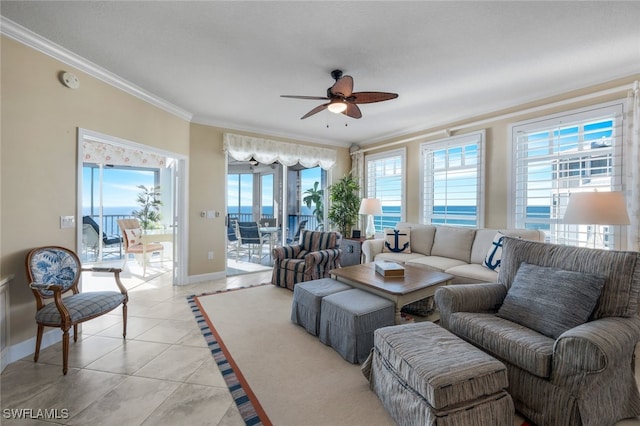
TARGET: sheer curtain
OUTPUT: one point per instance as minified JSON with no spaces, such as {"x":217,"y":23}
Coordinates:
{"x":632,"y":156}
{"x":267,"y":151}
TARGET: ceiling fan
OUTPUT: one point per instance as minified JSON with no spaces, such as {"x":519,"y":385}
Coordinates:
{"x":342,"y":99}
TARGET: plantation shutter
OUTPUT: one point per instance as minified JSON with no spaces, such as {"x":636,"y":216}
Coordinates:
{"x":453,"y":180}
{"x":385,"y":181}
{"x":563,"y":154}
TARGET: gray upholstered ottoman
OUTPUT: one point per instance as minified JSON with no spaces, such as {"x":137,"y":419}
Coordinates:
{"x":348,"y":320}
{"x":425,"y":375}
{"x":305,"y":308}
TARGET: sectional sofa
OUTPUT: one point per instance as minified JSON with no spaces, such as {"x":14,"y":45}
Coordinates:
{"x":465,"y":253}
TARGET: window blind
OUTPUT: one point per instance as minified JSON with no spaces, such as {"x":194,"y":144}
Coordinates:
{"x":453,"y":180}
{"x":558,"y":155}
{"x":385,"y":181}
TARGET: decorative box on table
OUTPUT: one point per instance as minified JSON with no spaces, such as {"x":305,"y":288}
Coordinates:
{"x":390,"y":269}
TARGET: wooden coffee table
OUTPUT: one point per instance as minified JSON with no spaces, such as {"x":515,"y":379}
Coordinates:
{"x":418,"y":283}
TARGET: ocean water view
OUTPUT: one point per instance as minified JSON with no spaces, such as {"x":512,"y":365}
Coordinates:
{"x":110,"y":210}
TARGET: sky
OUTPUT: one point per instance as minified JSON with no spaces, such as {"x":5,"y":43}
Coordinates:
{"x":119,"y":188}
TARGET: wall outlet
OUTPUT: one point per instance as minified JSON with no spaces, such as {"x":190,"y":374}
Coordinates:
{"x":210,"y":255}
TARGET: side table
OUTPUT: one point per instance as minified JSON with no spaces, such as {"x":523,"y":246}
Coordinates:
{"x":351,"y":251}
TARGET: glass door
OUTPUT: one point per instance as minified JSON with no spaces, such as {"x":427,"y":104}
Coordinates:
{"x":122,"y":180}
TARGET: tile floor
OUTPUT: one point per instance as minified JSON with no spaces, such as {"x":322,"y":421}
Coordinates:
{"x":162,"y":374}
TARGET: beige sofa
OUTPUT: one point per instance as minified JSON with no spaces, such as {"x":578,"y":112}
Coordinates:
{"x":458,"y":251}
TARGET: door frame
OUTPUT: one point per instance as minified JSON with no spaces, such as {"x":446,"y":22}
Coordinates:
{"x":180,"y":199}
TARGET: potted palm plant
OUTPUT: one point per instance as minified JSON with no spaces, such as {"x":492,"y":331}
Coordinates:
{"x":149,"y":212}
{"x":345,"y":204}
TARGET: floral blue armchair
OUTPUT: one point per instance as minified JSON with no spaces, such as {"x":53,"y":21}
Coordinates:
{"x":53,"y":271}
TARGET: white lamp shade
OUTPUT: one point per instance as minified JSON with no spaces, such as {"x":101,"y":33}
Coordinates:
{"x":597,"y":208}
{"x":370,"y":206}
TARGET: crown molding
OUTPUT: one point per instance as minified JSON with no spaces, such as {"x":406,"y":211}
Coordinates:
{"x":29,"y":38}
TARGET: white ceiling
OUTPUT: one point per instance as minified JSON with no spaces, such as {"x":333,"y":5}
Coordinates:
{"x":227,"y":63}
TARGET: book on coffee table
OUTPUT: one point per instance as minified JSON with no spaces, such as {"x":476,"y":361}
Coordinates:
{"x":389,"y":269}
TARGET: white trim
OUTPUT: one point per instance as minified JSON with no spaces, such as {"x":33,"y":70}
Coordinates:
{"x":28,"y":347}
{"x":563,"y":117}
{"x":452,"y":141}
{"x":402,"y":152}
{"x":49,"y":48}
{"x":5,"y":309}
{"x":180,"y":263}
{"x":194,"y":279}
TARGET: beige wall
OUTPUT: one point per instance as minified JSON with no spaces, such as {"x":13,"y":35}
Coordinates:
{"x":497,"y":150}
{"x":40,"y":118}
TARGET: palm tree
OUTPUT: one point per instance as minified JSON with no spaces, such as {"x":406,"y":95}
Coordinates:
{"x":315,"y":196}
{"x":149,"y":201}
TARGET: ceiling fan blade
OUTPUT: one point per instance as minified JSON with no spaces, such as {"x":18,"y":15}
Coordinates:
{"x":344,"y":86}
{"x":370,"y":97}
{"x":315,"y":98}
{"x":352,"y":111}
{"x":315,"y":111}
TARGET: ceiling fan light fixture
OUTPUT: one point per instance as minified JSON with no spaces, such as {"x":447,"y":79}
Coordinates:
{"x":337,"y":107}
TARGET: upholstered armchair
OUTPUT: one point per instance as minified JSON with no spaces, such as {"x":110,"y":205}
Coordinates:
{"x":311,"y":259}
{"x":53,"y":271}
{"x":565,"y":322}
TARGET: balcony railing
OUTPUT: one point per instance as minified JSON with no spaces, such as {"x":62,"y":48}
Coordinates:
{"x":110,"y":222}
{"x":291,"y":225}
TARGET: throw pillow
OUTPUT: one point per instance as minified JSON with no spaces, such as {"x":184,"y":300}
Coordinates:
{"x":134,"y":236}
{"x":493,"y":258}
{"x":397,"y":240}
{"x":550,"y":300}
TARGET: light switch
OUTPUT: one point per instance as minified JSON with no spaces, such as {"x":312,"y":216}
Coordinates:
{"x":210,"y":214}
{"x":67,"y":222}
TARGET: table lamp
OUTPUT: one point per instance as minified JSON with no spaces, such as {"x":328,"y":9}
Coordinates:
{"x":370,"y":207}
{"x":596,"y":208}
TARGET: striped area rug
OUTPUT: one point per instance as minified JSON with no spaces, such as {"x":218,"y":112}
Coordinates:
{"x":250,"y":409}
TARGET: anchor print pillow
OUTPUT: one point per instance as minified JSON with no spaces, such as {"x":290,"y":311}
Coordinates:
{"x":493,"y":258}
{"x":397,"y":240}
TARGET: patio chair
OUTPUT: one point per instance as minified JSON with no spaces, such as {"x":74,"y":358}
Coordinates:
{"x":296,"y":237}
{"x":91,"y":238}
{"x":251,"y":239}
{"x":233,"y":242}
{"x":53,"y":271}
{"x":133,"y":244}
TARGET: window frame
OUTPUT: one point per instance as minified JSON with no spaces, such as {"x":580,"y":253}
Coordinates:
{"x":379,"y":221}
{"x":580,"y":117}
{"x":452,"y":142}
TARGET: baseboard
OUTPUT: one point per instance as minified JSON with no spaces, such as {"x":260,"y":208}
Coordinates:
{"x":194,"y":279}
{"x":28,"y":347}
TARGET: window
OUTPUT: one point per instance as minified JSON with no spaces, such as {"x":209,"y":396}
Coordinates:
{"x":453,"y":180}
{"x":267,"y":204}
{"x":556,"y":155}
{"x":385,"y":181}
{"x":240,"y":196}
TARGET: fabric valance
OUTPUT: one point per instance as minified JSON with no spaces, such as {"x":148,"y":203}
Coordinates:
{"x":266,"y":151}
{"x":104,"y":153}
